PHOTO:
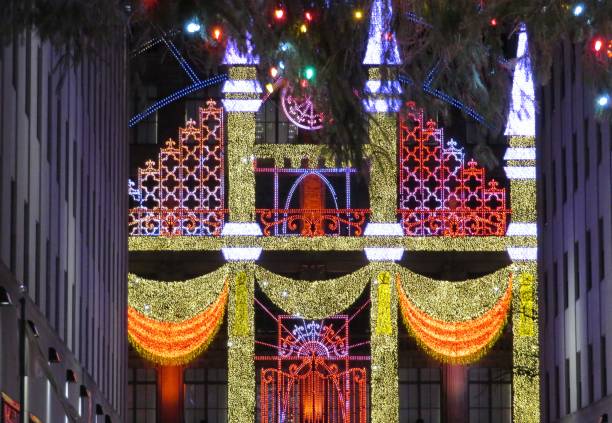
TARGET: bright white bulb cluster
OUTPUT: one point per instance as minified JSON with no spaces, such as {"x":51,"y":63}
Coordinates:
{"x":389,"y":87}
{"x":391,"y":105}
{"x":383,"y":254}
{"x":241,"y":253}
{"x":383,"y":229}
{"x":516,"y":153}
{"x":241,"y":86}
{"x":523,"y":253}
{"x":233,"y":56}
{"x":240,"y":105}
{"x":520,"y":172}
{"x":522,"y":229}
{"x":241,"y":229}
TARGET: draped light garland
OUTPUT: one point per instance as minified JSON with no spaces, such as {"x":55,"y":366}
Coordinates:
{"x":174,"y":301}
{"x":457,"y":342}
{"x":316,"y":299}
{"x":175,"y":343}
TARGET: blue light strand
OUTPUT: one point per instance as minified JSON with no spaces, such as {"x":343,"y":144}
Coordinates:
{"x":181,"y":60}
{"x":151,"y":43}
{"x":175,"y":96}
{"x":445,"y":97}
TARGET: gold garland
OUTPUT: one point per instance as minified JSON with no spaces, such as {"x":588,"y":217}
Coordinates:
{"x":313,"y":299}
{"x":455,"y":301}
{"x":241,"y":178}
{"x":329,"y":243}
{"x":174,"y":301}
{"x":523,"y":200}
{"x":295,"y":154}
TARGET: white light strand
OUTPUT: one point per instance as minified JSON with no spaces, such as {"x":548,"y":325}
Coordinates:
{"x":520,"y":172}
{"x":233,"y":56}
{"x":383,"y":254}
{"x":522,"y":153}
{"x":523,"y":253}
{"x":382,"y":105}
{"x":239,"y":105}
{"x":383,"y":229}
{"x":389,"y":87}
{"x":241,"y":229}
{"x":242,"y":86}
{"x":522,"y":229}
{"x":241,"y":253}
{"x":521,"y":119}
{"x":382,"y":47}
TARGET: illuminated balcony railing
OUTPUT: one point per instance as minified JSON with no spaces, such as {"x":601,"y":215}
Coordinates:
{"x":311,"y":223}
{"x":460,"y":222}
{"x":175,"y":222}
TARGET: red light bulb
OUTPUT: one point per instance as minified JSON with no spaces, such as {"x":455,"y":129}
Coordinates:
{"x":308,"y":16}
{"x":217,"y":33}
{"x":279,"y":13}
{"x":493,"y":22}
{"x":598,"y":45}
{"x":273,"y":72}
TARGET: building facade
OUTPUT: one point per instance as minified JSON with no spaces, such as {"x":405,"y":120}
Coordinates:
{"x":63,"y":171}
{"x":575,"y":244}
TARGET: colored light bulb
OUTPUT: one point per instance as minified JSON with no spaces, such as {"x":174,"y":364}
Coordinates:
{"x":603,"y":100}
{"x":279,"y":13}
{"x":303,"y":28}
{"x":270,"y":88}
{"x":217,"y":33}
{"x":309,"y":72}
{"x":193,"y":27}
{"x":578,"y":9}
{"x":308,"y":16}
{"x":358,"y":14}
{"x":273,"y":72}
{"x":598,"y":45}
{"x":493,"y":22}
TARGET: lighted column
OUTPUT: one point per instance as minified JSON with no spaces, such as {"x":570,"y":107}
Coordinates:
{"x":242,"y":99}
{"x":241,"y":346}
{"x":384,"y":402}
{"x":170,"y":396}
{"x":521,"y":161}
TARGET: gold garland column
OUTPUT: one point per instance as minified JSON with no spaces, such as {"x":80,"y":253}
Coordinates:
{"x":241,"y":345}
{"x":384,"y":405}
{"x":523,"y":234}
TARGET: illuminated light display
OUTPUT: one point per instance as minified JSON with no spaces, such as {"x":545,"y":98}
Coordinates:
{"x":523,"y":253}
{"x":514,"y":153}
{"x":521,"y":119}
{"x":241,"y":253}
{"x":233,"y":55}
{"x":180,"y":59}
{"x":387,"y":105}
{"x":522,"y":229}
{"x":313,"y":299}
{"x":383,"y":177}
{"x":313,"y":379}
{"x":175,"y":301}
{"x":383,"y":254}
{"x":381,"y":49}
{"x":241,"y":133}
{"x":383,"y":229}
{"x":175,"y":343}
{"x":439,"y":195}
{"x":383,"y":87}
{"x":175,"y":96}
{"x":520,"y":172}
{"x":311,"y":222}
{"x":295,"y":153}
{"x":183,"y":193}
{"x":241,"y":105}
{"x":241,"y":86}
{"x":301,"y":110}
{"x":241,"y":229}
{"x":459,"y":342}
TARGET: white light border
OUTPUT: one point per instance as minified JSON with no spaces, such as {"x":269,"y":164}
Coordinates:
{"x":241,"y":253}
{"x":383,"y":253}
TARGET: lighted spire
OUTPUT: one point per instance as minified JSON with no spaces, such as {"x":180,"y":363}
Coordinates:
{"x":382,"y":47}
{"x":233,"y":55}
{"x":521,"y":117}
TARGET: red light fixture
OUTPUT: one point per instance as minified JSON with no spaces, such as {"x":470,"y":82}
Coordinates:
{"x":217,"y":33}
{"x":309,"y":16}
{"x":598,"y":44}
{"x":279,"y":13}
{"x":273,"y":72}
{"x":493,"y":22}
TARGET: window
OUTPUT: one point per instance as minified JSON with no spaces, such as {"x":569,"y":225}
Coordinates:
{"x":568,"y":402}
{"x":575,"y":160}
{"x":554,"y":187}
{"x":420,"y":394}
{"x":565,"y":281}
{"x":142,"y":396}
{"x":490,"y":395}
{"x":602,"y":253}
{"x":556,"y":284}
{"x":604,"y":368}
{"x":591,"y":386}
{"x":587,"y":153}
{"x":578,"y":381}
{"x":205,"y":395}
{"x":564,"y":175}
{"x":576,"y":271}
{"x":587,"y":260}
{"x":273,"y":127}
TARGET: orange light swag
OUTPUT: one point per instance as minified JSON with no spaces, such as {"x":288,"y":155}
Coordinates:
{"x":459,"y":342}
{"x":176,"y":343}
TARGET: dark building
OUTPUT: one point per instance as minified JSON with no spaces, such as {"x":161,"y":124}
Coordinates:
{"x":63,"y":248}
{"x":575,"y":244}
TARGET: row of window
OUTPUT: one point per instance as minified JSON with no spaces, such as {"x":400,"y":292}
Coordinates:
{"x":420,"y":390}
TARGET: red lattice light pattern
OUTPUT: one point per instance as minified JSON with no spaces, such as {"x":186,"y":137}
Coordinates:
{"x":183,"y":193}
{"x":439,"y":195}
